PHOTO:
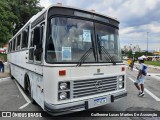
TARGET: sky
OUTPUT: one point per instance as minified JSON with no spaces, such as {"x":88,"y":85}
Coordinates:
{"x":137,"y":18}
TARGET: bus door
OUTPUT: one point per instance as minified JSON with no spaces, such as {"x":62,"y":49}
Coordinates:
{"x":35,"y":58}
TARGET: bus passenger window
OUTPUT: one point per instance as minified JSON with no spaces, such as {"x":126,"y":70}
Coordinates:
{"x":38,"y":51}
{"x":35,"y":49}
{"x":31,"y":48}
{"x":25,"y":38}
{"x":18,"y":42}
{"x":13,"y":48}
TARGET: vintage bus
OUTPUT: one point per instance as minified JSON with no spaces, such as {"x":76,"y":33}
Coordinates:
{"x":68,"y":59}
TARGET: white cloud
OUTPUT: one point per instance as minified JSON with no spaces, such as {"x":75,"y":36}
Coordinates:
{"x":137,"y":17}
{"x":45,"y":3}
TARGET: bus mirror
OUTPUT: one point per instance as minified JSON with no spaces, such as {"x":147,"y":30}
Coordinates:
{"x":36,"y":38}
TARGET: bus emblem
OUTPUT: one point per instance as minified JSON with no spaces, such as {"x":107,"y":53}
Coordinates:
{"x":99,"y":85}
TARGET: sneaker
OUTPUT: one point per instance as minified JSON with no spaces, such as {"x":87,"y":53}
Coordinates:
{"x":141,"y":94}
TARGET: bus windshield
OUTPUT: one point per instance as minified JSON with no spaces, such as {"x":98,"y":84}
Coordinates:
{"x":70,"y":39}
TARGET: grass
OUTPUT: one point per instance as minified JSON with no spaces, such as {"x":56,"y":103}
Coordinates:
{"x":5,"y":56}
{"x":155,"y":63}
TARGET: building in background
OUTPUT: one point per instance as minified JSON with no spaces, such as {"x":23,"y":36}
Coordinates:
{"x":132,"y":48}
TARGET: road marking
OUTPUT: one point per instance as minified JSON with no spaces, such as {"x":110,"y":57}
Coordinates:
{"x":25,"y":97}
{"x":147,"y":91}
{"x":151,"y":94}
{"x":4,"y":79}
{"x":23,"y":106}
{"x":154,"y":76}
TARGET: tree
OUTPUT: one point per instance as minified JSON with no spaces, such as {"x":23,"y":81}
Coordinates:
{"x":24,"y":10}
{"x":7,"y":18}
{"x":14,"y":14}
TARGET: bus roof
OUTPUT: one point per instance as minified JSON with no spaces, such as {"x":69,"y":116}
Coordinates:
{"x":34,"y":17}
{"x":91,"y":11}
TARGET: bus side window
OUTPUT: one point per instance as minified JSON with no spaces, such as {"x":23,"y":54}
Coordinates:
{"x":31,"y":48}
{"x":37,"y":41}
{"x":25,"y":38}
{"x":18,"y":42}
{"x":14,"y":42}
{"x":9,"y":47}
{"x":35,"y":50}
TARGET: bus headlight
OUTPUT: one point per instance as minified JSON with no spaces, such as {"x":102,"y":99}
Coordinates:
{"x":120,"y":85}
{"x":63,"y":90}
{"x":63,"y":86}
{"x":121,"y":82}
{"x":62,"y":95}
{"x":121,"y":78}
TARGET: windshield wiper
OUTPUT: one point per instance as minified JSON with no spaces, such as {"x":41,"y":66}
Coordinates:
{"x":107,"y":55}
{"x":85,"y":55}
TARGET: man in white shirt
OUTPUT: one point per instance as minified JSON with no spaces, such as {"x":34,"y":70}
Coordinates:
{"x":141,"y":77}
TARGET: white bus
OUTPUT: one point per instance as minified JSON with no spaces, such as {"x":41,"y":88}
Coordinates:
{"x":68,"y":60}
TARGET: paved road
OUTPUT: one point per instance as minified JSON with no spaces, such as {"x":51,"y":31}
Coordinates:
{"x":11,"y":99}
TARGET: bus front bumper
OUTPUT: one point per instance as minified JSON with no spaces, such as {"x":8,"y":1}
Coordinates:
{"x":80,"y":105}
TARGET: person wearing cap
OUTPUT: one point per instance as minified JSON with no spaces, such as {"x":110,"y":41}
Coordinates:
{"x":141,"y":76}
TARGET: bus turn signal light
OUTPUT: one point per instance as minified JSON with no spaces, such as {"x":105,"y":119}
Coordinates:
{"x":62,"y":72}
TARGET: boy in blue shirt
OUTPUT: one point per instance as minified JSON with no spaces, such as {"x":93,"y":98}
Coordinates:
{"x":141,"y":77}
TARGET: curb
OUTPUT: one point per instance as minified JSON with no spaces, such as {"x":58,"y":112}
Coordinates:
{"x":3,"y":79}
{"x":152,"y":67}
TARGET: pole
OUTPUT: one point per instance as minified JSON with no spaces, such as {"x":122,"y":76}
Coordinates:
{"x":147,"y":44}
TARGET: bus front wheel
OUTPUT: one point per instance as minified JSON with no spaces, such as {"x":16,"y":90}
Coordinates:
{"x":28,"y":90}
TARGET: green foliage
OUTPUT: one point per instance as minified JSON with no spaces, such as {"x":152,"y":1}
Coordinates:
{"x":156,"y":63}
{"x":4,"y":56}
{"x":136,"y":55}
{"x":7,"y":18}
{"x":24,"y":10}
{"x":14,"y":14}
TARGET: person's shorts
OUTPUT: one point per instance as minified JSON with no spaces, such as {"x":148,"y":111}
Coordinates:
{"x":140,"y":81}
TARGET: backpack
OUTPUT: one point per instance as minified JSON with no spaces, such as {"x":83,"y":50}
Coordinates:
{"x":144,"y":70}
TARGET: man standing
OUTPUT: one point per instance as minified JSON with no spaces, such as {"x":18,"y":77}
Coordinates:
{"x":141,"y":76}
{"x":132,"y":64}
{"x":129,"y":62}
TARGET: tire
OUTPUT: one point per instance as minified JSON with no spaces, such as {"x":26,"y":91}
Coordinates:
{"x":11,"y":77}
{"x":28,"y":90}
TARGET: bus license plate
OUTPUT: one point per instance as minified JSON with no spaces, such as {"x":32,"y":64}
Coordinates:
{"x":100,"y":101}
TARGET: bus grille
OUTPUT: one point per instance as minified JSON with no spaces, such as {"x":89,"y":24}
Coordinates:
{"x":82,"y":88}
